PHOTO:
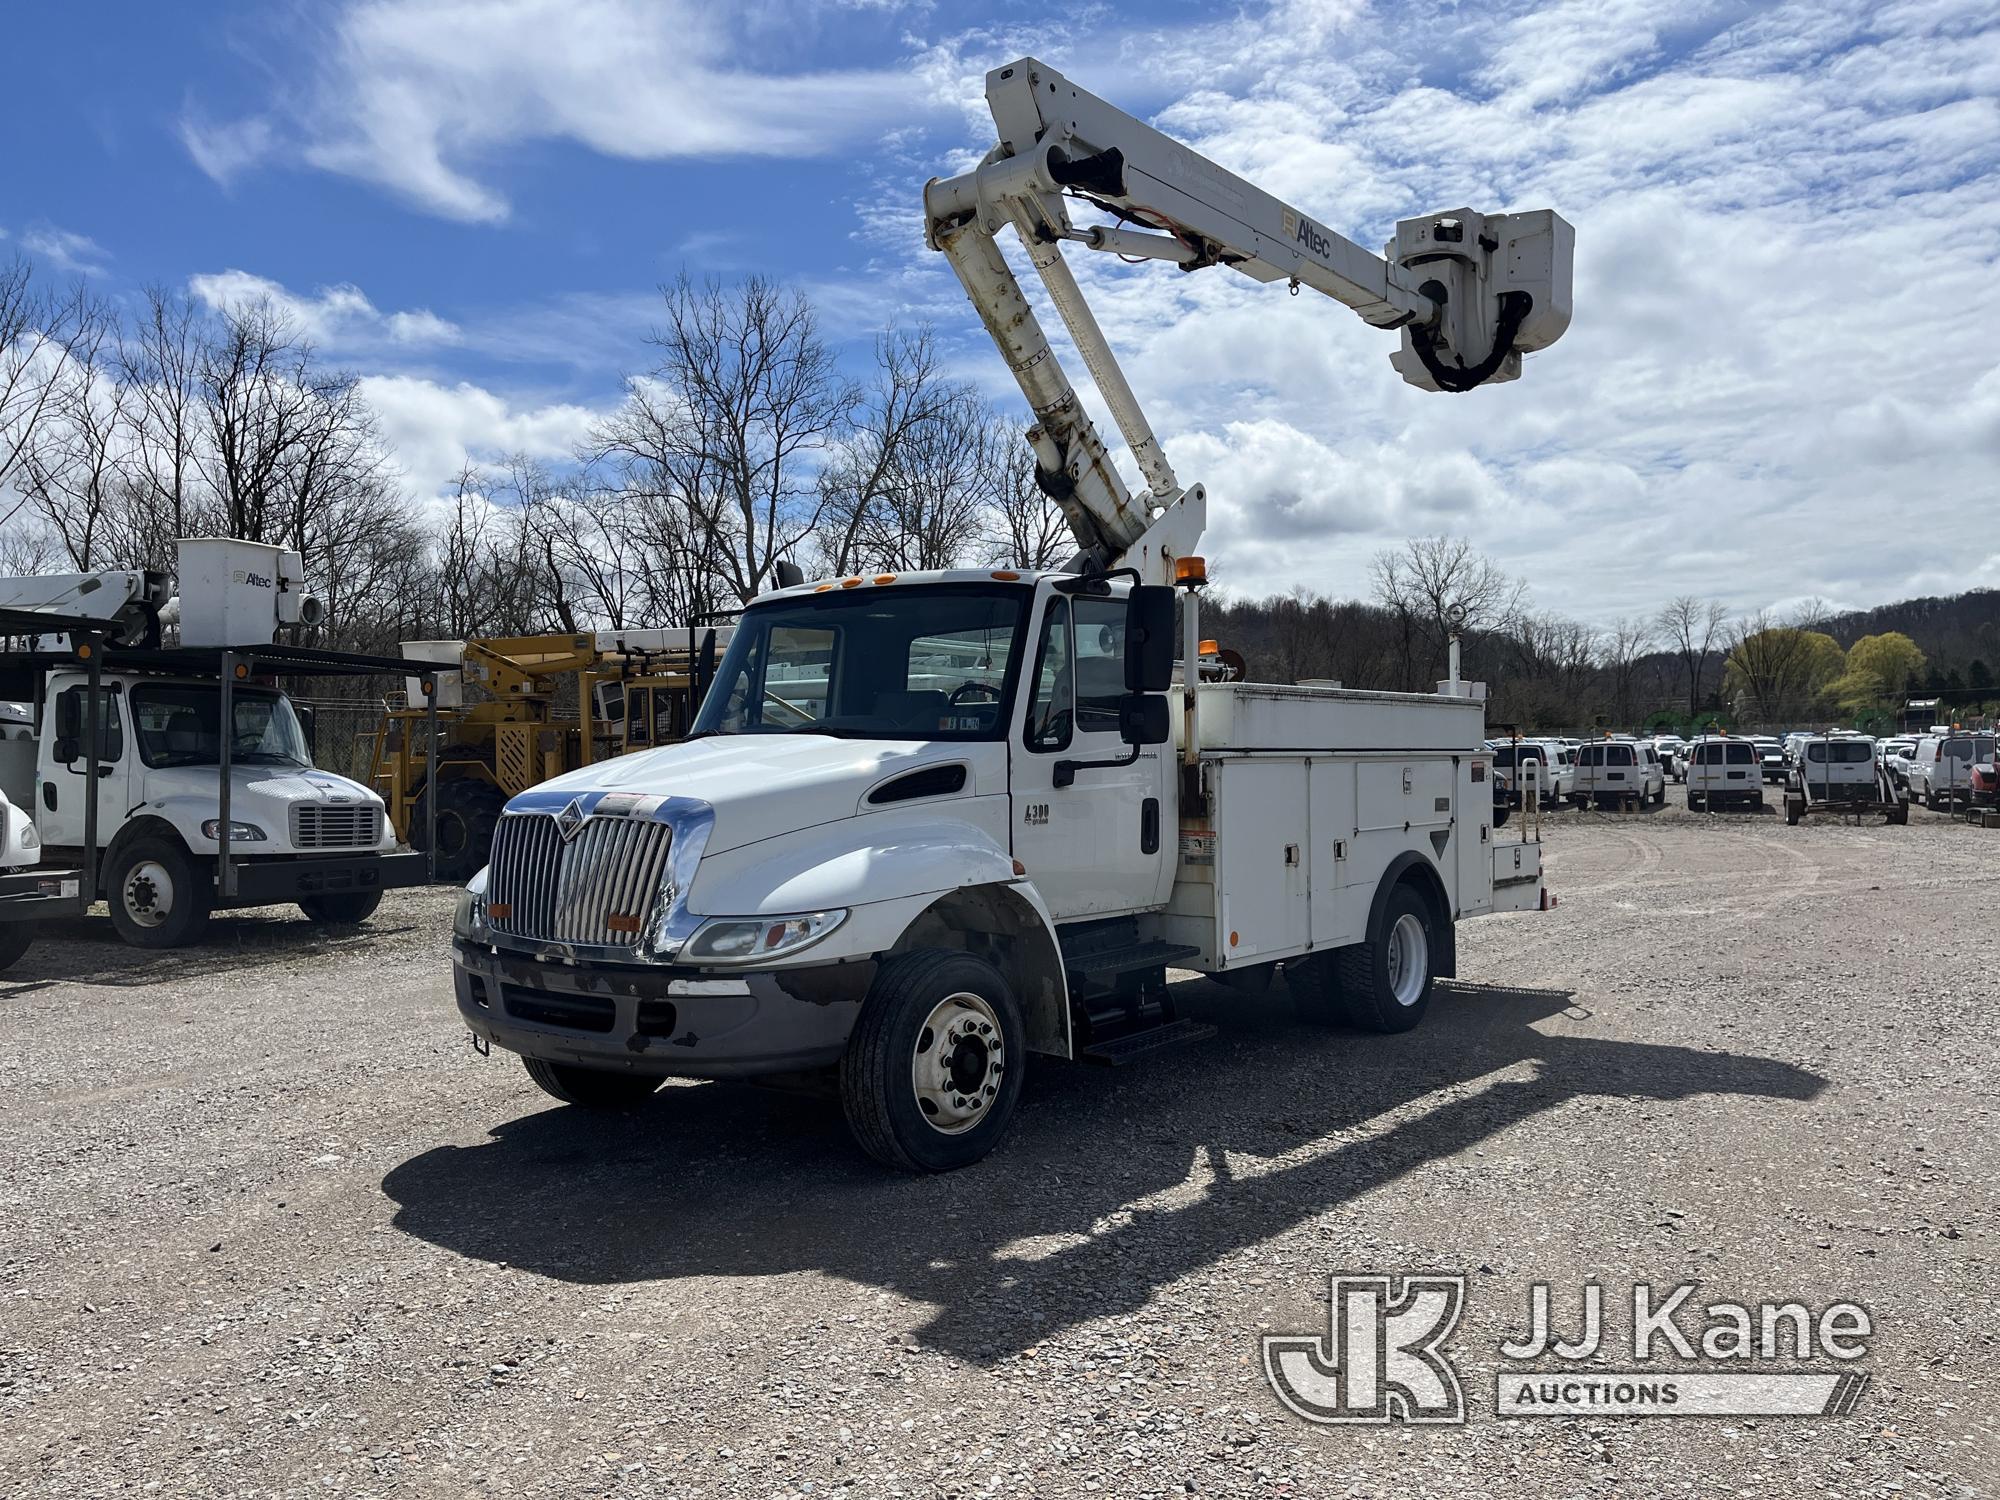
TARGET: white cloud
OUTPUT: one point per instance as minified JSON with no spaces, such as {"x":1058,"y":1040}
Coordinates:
{"x":334,"y":317}
{"x":437,"y":429}
{"x":420,"y":96}
{"x":1787,"y":223}
{"x":66,"y":251}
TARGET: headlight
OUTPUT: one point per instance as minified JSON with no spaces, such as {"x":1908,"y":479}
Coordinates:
{"x":244,"y":832}
{"x":743,"y":940}
{"x":468,"y":918}
{"x":29,"y":838}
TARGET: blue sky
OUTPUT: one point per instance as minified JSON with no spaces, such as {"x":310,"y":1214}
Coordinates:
{"x":1788,"y":223}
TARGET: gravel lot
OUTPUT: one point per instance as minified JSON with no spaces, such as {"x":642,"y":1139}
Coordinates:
{"x":271,"y":1227}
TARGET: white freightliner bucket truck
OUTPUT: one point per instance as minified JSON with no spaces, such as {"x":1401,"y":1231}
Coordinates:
{"x":930,"y":824}
{"x":134,"y":787}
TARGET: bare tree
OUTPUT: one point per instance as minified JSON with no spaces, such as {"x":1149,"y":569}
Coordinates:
{"x":37,"y":334}
{"x":1024,"y":527}
{"x":158,"y":362}
{"x":1438,"y":585}
{"x":1629,"y":639}
{"x":1691,"y":627}
{"x":876,"y":465}
{"x":727,"y":426}
{"x":70,"y":464}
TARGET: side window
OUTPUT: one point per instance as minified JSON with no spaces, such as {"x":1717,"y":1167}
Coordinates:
{"x":1100,"y":664}
{"x":72,"y":721}
{"x":1051,"y":711}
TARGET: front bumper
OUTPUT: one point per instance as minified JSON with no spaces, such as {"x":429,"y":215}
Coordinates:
{"x":659,"y":1021}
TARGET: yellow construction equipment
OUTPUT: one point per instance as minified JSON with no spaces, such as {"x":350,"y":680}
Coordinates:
{"x":535,"y":707}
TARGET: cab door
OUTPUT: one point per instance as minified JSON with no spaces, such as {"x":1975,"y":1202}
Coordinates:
{"x":1092,"y":835}
{"x":64,"y":771}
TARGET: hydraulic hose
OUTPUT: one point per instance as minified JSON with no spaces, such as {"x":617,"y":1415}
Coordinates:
{"x":1458,"y":376}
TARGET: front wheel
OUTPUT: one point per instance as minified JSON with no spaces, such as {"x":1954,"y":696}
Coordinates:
{"x":157,"y":895}
{"x":341,"y":906}
{"x":932,"y":1070}
{"x":590,"y":1088}
{"x":1385,"y":983}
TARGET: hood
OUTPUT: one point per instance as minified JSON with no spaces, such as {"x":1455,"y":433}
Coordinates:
{"x":762,"y":785}
{"x":280,"y":784}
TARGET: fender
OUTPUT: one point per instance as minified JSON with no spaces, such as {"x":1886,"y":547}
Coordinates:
{"x":1427,"y":880}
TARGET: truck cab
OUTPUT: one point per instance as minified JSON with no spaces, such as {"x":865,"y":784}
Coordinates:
{"x":159,"y":806}
{"x":926,"y":825}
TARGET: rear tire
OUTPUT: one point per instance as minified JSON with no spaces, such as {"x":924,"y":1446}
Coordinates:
{"x":159,"y":897}
{"x":1793,"y":812}
{"x":1694,"y":802}
{"x":1385,"y":983}
{"x":590,"y":1088}
{"x":341,"y":906}
{"x":15,"y":939}
{"x":933,"y":1067}
{"x":1314,"y":981}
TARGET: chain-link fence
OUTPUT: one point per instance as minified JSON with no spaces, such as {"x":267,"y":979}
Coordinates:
{"x":343,"y":732}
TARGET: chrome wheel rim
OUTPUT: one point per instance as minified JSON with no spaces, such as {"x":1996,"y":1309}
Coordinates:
{"x":148,"y":893}
{"x":1409,"y":958}
{"x":956,"y":1063}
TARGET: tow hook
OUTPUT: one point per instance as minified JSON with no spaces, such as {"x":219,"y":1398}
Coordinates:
{"x":479,"y":1044}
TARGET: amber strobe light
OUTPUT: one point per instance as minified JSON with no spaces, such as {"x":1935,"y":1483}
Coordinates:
{"x":1191,"y":571}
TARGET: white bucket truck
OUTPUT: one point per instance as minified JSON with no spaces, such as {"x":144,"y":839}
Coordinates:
{"x":133,"y":780}
{"x":930,"y":824}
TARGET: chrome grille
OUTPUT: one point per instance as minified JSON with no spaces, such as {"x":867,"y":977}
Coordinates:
{"x":545,"y":889}
{"x":324,"y":826}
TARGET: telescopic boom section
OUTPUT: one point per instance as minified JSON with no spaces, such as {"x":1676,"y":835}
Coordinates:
{"x":1469,"y":292}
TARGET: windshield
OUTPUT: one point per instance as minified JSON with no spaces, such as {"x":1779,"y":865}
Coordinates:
{"x":929,"y":662}
{"x":177,"y":726}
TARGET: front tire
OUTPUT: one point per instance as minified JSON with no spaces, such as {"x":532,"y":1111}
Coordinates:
{"x":590,"y":1088}
{"x":341,"y":906}
{"x":932,"y":1071}
{"x":158,"y":897}
{"x":15,"y":939}
{"x":1385,"y":983}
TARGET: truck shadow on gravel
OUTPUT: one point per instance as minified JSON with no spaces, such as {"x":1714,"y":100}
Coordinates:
{"x":87,"y":950}
{"x":1056,"y":1228}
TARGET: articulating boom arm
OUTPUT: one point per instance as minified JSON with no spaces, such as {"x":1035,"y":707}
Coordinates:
{"x":1470,"y":292}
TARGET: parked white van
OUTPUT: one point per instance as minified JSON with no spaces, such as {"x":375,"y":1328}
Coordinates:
{"x":1609,"y":771}
{"x":1723,"y":770}
{"x":1940,"y":774}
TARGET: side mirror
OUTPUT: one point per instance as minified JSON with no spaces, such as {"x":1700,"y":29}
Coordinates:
{"x":309,"y":722}
{"x":67,"y":750}
{"x":1142,"y":718}
{"x":1149,"y":642}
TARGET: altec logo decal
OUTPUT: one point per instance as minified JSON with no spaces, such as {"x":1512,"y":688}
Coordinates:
{"x":1382,"y":1360}
{"x":255,"y":580}
{"x":1302,"y":231}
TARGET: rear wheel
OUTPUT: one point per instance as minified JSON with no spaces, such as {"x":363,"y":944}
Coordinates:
{"x":1694,"y":802}
{"x":15,"y":940}
{"x":341,"y":906}
{"x":932,"y":1070}
{"x":590,"y":1088}
{"x":1794,"y":811}
{"x":1385,"y":983}
{"x":158,"y":897}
